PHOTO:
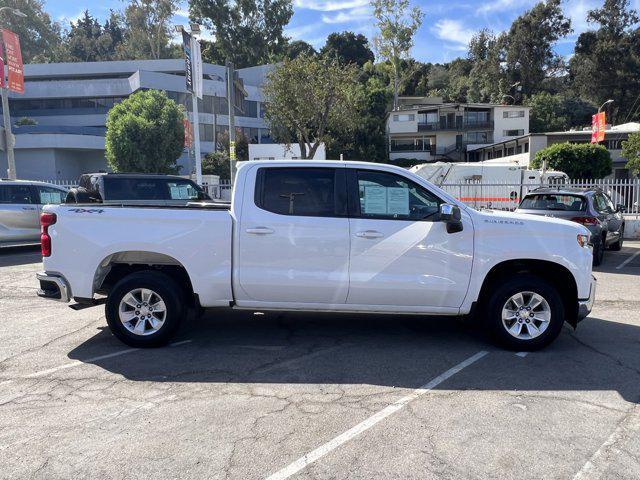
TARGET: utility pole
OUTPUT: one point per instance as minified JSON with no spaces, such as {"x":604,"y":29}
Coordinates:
{"x":6,"y":114}
{"x":232,"y":120}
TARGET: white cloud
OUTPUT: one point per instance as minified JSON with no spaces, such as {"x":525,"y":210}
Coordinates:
{"x":501,"y":5}
{"x":453,"y":31}
{"x":330,"y":5}
{"x":357,"y":14}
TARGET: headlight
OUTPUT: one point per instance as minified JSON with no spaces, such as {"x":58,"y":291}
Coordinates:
{"x":583,"y":240}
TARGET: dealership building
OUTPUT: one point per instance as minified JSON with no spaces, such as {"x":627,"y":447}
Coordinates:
{"x":68,"y":104}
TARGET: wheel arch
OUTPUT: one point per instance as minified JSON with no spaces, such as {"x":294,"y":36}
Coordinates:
{"x":558,"y":275}
{"x":116,"y":266}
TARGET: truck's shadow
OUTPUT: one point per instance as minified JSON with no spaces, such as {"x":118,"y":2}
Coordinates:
{"x":392,"y":351}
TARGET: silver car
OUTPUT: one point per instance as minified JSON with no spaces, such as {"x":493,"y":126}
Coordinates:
{"x":21,"y":202}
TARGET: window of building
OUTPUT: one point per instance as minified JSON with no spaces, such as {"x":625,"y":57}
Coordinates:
{"x":251,"y":108}
{"x":476,"y":118}
{"x":393,"y":197}
{"x":404,"y":117}
{"x":298,"y":191}
{"x":513,"y":133}
{"x":477,"y":137}
{"x":265,"y":136}
{"x":513,"y":114}
{"x":206,"y":132}
{"x":511,"y":151}
{"x":526,"y":147}
{"x":519,"y":149}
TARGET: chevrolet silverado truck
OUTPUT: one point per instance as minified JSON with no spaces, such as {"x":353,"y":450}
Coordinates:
{"x":320,"y":236}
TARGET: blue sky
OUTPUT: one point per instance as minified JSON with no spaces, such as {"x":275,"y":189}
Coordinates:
{"x":447,"y":26}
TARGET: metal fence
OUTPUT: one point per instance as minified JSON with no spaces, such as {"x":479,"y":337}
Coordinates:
{"x":507,"y":196}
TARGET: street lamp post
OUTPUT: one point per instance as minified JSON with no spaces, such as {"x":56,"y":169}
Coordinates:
{"x":605,"y":103}
{"x":6,"y":115}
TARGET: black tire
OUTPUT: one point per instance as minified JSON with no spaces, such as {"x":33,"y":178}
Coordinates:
{"x":501,"y":294}
{"x":78,"y":195}
{"x":165,"y":288}
{"x":616,"y":247}
{"x":598,"y":253}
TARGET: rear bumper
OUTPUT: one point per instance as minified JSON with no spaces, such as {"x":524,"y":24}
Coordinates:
{"x":54,"y":287}
{"x":585,"y":306}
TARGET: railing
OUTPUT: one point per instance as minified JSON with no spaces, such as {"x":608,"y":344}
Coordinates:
{"x":507,"y":196}
{"x":456,"y":125}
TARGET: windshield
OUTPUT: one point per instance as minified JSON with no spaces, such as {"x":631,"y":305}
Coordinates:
{"x":573,"y":203}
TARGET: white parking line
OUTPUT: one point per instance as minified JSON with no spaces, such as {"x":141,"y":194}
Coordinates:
{"x":629,"y":424}
{"x":627,"y":261}
{"x":321,"y":451}
{"x":76,"y":363}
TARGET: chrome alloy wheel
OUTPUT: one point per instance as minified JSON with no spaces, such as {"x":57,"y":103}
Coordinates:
{"x":526,"y":315}
{"x":142,"y":311}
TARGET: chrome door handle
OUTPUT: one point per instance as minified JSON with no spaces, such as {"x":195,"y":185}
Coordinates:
{"x":259,"y":230}
{"x":370,"y":234}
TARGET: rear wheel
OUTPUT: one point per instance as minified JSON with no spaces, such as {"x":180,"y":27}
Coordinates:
{"x":144,"y":309}
{"x":616,"y":247}
{"x":525,"y":313}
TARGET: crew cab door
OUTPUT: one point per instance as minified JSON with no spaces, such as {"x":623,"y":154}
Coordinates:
{"x":401,"y":255}
{"x":293,"y":236}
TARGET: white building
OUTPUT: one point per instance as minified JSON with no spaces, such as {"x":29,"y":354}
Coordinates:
{"x":427,"y":129}
{"x":523,"y":149}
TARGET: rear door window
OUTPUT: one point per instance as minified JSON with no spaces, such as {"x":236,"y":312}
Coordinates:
{"x":572,"y":203}
{"x":301,"y":191}
{"x":15,"y":194}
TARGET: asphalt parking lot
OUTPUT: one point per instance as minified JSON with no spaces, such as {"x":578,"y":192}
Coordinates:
{"x":243,"y":395}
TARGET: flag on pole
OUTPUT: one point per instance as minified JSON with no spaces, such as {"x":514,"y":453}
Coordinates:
{"x":598,"y":125}
{"x":13,"y":56}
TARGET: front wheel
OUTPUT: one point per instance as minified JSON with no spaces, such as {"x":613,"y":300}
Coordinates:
{"x":144,"y":309}
{"x":525,"y":313}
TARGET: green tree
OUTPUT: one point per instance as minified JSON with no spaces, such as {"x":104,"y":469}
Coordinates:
{"x":397,"y":24}
{"x":298,"y":47}
{"x":247,"y":32}
{"x":217,"y":163}
{"x":348,"y":48}
{"x":88,"y":41}
{"x":631,"y":151}
{"x":557,"y":112}
{"x":486,"y":73}
{"x":145,"y":134}
{"x":40,"y":36}
{"x":606,"y":63}
{"x":530,"y":57}
{"x":311,"y":100}
{"x":148,"y":29}
{"x":578,"y":160}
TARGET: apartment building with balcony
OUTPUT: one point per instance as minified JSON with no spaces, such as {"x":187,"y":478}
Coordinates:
{"x":428,"y":129}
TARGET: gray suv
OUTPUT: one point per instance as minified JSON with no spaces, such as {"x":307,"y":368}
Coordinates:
{"x":21,"y":202}
{"x":591,"y":207}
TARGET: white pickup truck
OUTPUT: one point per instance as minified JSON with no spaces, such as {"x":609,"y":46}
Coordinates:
{"x":320,"y":236}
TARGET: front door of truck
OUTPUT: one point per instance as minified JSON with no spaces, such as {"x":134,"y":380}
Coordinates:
{"x":400,"y":254}
{"x":294,"y":237}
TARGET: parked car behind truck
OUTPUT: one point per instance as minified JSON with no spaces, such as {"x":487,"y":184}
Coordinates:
{"x":321,"y":236}
{"x":590,"y":207}
{"x":21,"y":203}
{"x":136,"y":188}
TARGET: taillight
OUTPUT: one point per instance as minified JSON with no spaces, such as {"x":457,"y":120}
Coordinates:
{"x":46,"y":220}
{"x":585,"y":220}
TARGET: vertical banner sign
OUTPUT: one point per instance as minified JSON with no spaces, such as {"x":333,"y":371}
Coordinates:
{"x":14,"y":61}
{"x":188,"y":133}
{"x":598,"y":124}
{"x":196,"y":65}
{"x":232,"y":151}
{"x":186,"y":46}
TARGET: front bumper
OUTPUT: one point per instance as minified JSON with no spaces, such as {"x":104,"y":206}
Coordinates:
{"x":54,"y":287}
{"x":585,"y":306}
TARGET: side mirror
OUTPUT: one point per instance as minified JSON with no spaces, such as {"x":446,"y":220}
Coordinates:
{"x":451,"y":215}
{"x":621,"y":208}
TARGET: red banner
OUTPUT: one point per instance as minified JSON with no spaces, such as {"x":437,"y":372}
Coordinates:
{"x":598,"y":123}
{"x":188,"y":133}
{"x":14,"y":61}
